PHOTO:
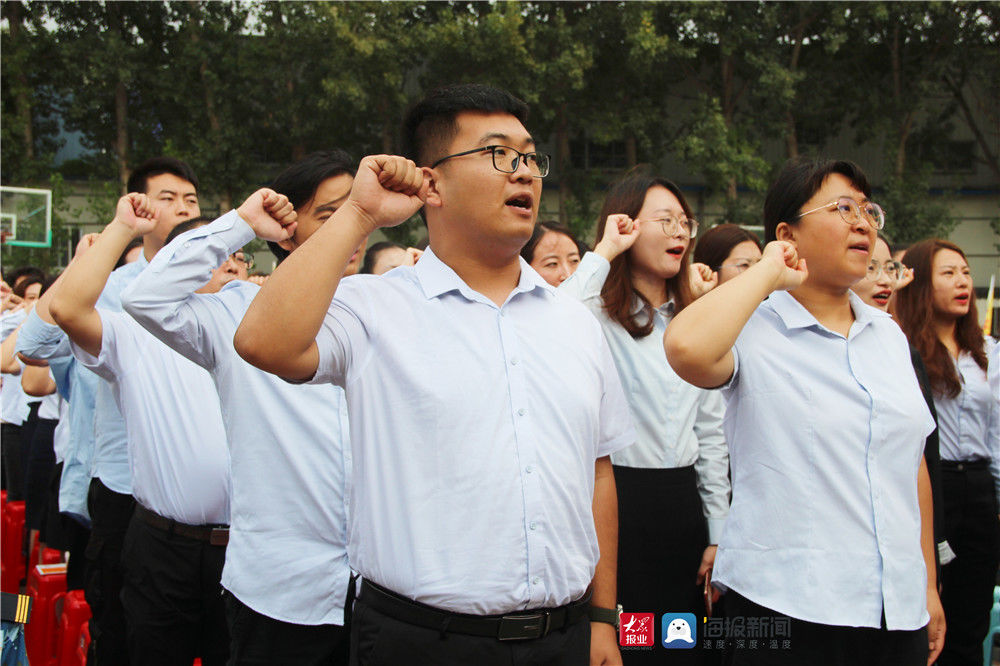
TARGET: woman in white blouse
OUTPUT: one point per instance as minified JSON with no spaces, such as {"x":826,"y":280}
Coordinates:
{"x":937,"y":311}
{"x":673,"y":485}
{"x":830,"y":524}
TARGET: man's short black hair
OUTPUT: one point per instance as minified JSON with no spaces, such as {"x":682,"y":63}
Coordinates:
{"x":138,"y":181}
{"x":300,"y":181}
{"x":797,"y":182}
{"x":187,"y":225}
{"x":429,"y":125}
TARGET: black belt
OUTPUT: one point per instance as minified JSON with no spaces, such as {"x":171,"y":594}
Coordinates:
{"x":216,"y":535}
{"x":516,"y":626}
{"x":975,"y":464}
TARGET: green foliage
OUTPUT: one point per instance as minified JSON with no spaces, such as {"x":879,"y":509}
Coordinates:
{"x":725,"y":89}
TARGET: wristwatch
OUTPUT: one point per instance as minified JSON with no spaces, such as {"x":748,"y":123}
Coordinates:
{"x":606,"y":615}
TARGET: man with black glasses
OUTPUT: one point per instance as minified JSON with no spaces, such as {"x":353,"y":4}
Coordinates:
{"x":483,"y":404}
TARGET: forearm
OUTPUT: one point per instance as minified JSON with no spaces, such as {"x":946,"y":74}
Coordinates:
{"x":605,"y":583}
{"x":36,"y":381}
{"x":927,"y":544}
{"x":8,"y":363}
{"x":84,"y":279}
{"x":588,"y":279}
{"x":699,"y":339}
{"x":278,"y":332}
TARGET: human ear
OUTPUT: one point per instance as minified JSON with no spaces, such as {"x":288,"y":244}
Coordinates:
{"x":785,"y":232}
{"x":433,"y":193}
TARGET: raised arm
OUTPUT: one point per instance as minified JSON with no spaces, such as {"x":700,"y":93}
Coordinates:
{"x":278,"y":332}
{"x":163,"y":299}
{"x":699,"y":340}
{"x":74,"y":306}
{"x":36,"y":380}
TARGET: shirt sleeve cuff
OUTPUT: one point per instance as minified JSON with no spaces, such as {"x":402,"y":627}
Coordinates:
{"x":715,"y":527}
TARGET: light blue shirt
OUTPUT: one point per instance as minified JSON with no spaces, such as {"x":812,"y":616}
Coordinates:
{"x":111,"y":462}
{"x":177,"y":452}
{"x":78,"y":385}
{"x":475,"y":430}
{"x":678,"y":424}
{"x":13,"y":399}
{"x":969,"y":423}
{"x":826,"y":435}
{"x":287,"y":553}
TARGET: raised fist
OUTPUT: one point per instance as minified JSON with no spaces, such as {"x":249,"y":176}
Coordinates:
{"x":620,"y":232}
{"x":387,"y":190}
{"x":135,"y":212}
{"x":269,"y":214}
{"x":784,"y":256}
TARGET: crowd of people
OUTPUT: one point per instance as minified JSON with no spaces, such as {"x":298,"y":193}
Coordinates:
{"x":488,"y":450}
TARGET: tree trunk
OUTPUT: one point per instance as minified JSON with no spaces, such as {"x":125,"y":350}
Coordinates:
{"x":121,"y":133}
{"x":970,"y":119}
{"x":562,"y":161}
{"x":23,"y":96}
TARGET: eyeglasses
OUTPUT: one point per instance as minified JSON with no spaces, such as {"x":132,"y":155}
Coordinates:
{"x":241,"y":258}
{"x":506,"y":160}
{"x":892,"y":269}
{"x":851,"y":213}
{"x":740,"y":265}
{"x":672,"y":224}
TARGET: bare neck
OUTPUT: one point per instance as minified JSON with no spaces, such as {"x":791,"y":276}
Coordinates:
{"x":653,"y":288}
{"x":945,"y":330}
{"x":150,"y":246}
{"x":830,"y":306}
{"x":492,"y":273}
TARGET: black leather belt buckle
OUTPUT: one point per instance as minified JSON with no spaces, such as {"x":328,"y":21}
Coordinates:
{"x":523,"y":627}
{"x":219,"y":536}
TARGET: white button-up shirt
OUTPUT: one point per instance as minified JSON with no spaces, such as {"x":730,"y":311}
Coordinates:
{"x":678,"y":424}
{"x":475,"y":429}
{"x":826,"y":435}
{"x":111,"y":456}
{"x":969,"y":424}
{"x":290,"y":456}
{"x":176,"y":442}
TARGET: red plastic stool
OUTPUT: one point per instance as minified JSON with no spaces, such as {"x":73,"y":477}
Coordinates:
{"x":46,"y":586}
{"x":82,"y":646}
{"x":11,"y":543}
{"x":73,"y":616}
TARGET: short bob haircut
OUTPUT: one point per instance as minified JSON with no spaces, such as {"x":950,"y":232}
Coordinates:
{"x":618,"y":294}
{"x":371,"y":256}
{"x":797,"y":182}
{"x":542,"y":228}
{"x":300,"y":181}
{"x":913,"y":307}
{"x":715,"y":245}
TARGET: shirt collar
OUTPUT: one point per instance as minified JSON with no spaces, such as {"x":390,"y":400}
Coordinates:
{"x":437,"y":278}
{"x":794,"y":315}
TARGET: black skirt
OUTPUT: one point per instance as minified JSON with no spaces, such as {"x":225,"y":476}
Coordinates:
{"x":662,"y":535}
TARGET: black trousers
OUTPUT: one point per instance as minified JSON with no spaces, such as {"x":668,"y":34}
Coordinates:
{"x":973,"y":531}
{"x":41,"y":460}
{"x":172,"y":598}
{"x":62,"y":532}
{"x":379,"y":640}
{"x":13,"y":461}
{"x":662,"y":535}
{"x":110,"y":513}
{"x":812,"y":644}
{"x":259,"y":640}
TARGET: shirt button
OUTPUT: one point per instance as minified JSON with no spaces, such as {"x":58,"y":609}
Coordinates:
{"x":536,"y":580}
{"x":521,"y":412}
{"x":532,"y":525}
{"x":529,"y":469}
{"x":513,"y":361}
